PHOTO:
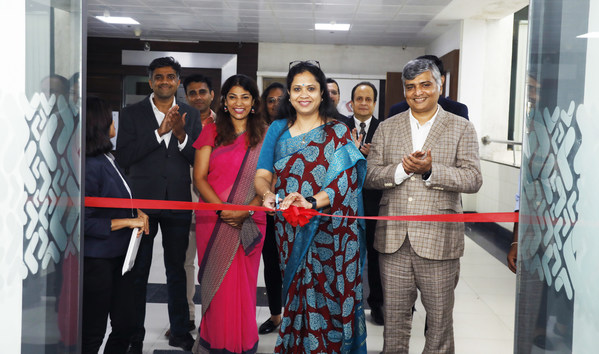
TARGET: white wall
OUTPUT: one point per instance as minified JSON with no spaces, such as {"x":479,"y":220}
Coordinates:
{"x":484,"y":86}
{"x":337,"y":60}
{"x":497,"y":194}
{"x":445,"y":43}
{"x":485,"y":71}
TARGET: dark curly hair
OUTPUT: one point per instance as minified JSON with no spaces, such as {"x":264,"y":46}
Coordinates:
{"x":225,"y":131}
{"x":98,"y":119}
{"x":325,"y":110}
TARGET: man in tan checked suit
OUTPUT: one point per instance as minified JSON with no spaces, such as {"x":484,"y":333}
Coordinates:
{"x":422,"y":159}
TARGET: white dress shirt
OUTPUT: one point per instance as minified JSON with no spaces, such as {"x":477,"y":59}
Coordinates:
{"x":419,"y":135}
{"x":367,"y":122}
{"x":159,"y":118}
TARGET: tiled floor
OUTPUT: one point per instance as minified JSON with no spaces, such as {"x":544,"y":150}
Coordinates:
{"x":483,"y":313}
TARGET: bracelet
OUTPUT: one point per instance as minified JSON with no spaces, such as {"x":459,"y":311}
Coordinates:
{"x":265,"y":193}
{"x":514,"y":243}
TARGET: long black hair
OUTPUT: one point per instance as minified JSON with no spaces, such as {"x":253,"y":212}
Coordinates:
{"x":98,"y":119}
{"x":255,"y":125}
{"x":286,"y":110}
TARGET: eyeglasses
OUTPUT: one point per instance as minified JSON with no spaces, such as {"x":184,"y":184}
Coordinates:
{"x":273,"y":99}
{"x":315,"y":63}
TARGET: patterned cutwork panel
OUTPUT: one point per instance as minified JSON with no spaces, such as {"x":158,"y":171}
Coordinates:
{"x":12,"y":196}
{"x":52,"y":182}
{"x":550,"y":196}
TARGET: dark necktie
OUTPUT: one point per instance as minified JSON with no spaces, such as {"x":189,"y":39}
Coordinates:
{"x":362,"y":132}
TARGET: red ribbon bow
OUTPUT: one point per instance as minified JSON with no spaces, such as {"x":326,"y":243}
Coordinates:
{"x":298,"y":216}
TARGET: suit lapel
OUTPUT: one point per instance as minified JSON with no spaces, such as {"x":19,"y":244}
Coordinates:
{"x":373,"y":124}
{"x":116,"y":177}
{"x":439,"y":126}
{"x":405,"y":131}
{"x":149,"y":112}
{"x":351,"y":124}
{"x":148,"y":119}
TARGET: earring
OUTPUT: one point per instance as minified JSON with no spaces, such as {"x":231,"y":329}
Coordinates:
{"x":253,"y":111}
{"x":226,"y":109}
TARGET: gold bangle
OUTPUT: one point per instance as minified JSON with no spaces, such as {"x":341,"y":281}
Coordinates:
{"x":265,"y":193}
{"x":514,"y":243}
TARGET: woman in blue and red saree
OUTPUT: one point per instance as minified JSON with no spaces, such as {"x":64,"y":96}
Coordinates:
{"x":309,"y":160}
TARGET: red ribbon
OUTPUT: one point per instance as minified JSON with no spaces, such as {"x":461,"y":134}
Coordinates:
{"x":298,"y":216}
{"x":294,"y":215}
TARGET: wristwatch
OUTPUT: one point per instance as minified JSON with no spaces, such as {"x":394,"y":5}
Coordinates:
{"x":312,"y":200}
{"x":427,"y":174}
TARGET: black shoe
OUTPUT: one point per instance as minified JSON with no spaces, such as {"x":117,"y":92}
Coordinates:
{"x":377,"y":316}
{"x":190,"y":327}
{"x":185,"y":341}
{"x":268,"y":327}
{"x":136,"y":348}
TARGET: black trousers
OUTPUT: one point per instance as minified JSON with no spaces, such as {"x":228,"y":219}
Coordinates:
{"x":375,"y":296}
{"x":272,"y":271}
{"x":106,"y":291}
{"x":175,"y":239}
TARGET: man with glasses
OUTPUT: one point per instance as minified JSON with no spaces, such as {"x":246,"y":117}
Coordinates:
{"x":154,"y":146}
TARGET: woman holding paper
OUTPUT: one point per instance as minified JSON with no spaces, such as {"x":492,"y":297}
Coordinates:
{"x":229,"y":241}
{"x":107,"y":232}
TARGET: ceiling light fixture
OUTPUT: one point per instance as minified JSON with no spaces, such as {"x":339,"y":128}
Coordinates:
{"x":589,"y":35}
{"x":118,"y":20}
{"x":331,"y":26}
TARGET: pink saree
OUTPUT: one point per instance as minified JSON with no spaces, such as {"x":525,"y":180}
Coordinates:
{"x":229,"y":259}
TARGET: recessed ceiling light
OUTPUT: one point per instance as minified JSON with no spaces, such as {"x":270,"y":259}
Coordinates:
{"x":332,"y":26}
{"x":118,"y":20}
{"x":589,"y":35}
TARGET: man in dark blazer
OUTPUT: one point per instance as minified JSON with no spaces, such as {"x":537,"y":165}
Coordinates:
{"x":363,"y":125}
{"x":335,"y":94}
{"x":422,"y":160}
{"x":447,"y":104}
{"x":154,"y":146}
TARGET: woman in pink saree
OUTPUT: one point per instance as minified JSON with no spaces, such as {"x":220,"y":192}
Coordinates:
{"x":229,"y":242}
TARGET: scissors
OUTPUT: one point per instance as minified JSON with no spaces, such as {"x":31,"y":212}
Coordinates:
{"x":276,"y":202}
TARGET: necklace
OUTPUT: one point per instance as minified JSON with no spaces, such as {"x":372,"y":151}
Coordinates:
{"x":314,"y":125}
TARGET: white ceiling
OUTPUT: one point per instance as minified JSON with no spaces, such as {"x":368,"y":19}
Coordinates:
{"x":373,"y":22}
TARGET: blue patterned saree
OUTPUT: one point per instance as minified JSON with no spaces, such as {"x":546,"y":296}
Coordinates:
{"x":322,"y":261}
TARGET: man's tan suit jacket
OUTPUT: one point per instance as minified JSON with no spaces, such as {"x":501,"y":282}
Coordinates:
{"x":455,"y":169}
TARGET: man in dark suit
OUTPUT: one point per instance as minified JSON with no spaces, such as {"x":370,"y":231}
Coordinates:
{"x":363,"y":125}
{"x":447,"y":104}
{"x":154,"y":146}
{"x":335,"y":94}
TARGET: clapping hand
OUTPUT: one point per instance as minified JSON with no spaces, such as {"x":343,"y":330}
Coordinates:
{"x":175,"y":122}
{"x":417,"y":162}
